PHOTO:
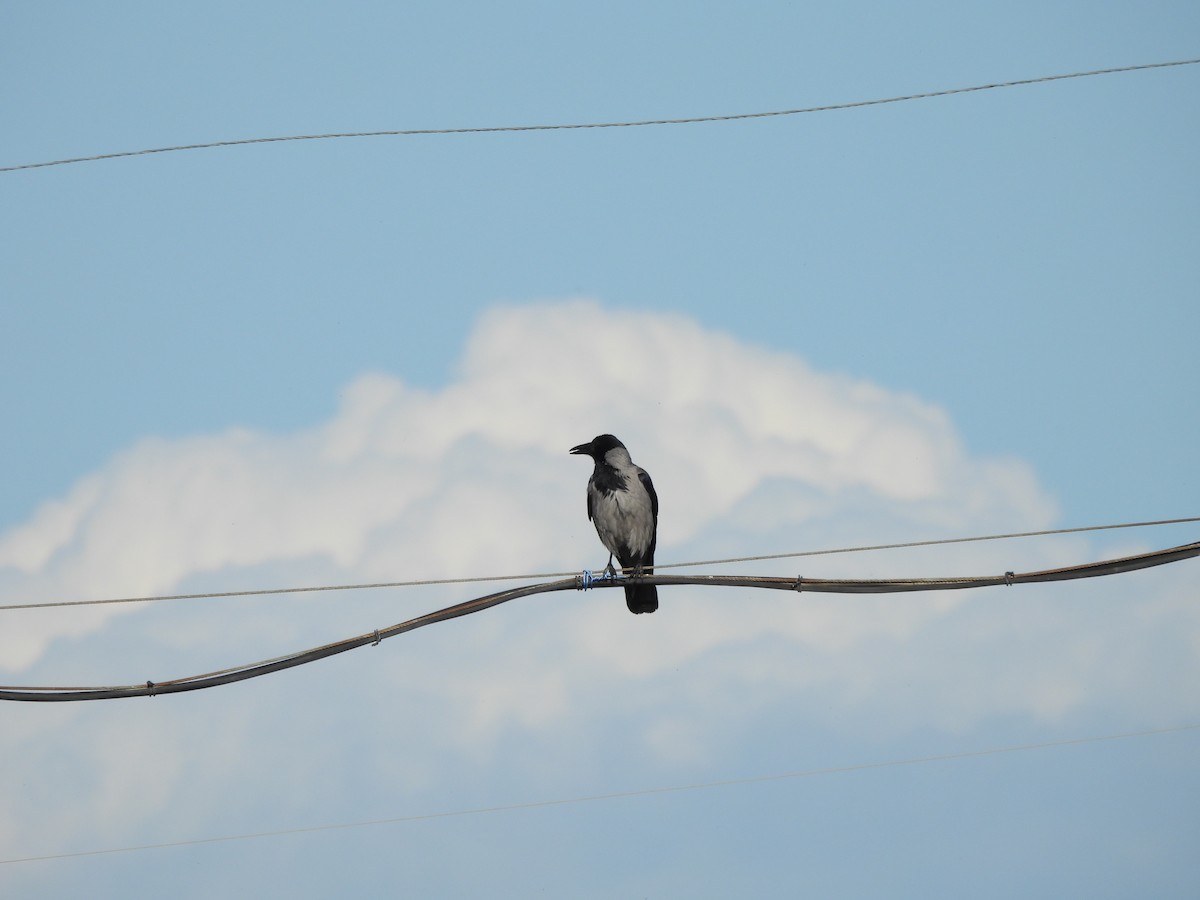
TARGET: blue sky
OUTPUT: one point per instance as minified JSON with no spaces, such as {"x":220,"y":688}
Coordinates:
{"x":358,"y":360}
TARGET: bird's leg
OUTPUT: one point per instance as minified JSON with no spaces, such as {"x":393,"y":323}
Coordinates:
{"x":609,"y":571}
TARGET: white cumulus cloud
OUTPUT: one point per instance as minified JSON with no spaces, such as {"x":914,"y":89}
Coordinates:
{"x":473,"y":478}
{"x":752,"y":451}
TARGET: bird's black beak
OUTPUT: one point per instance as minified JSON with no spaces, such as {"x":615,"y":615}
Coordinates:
{"x":585,"y":449}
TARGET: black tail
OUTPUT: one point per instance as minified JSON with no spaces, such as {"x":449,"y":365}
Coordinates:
{"x":641,"y":598}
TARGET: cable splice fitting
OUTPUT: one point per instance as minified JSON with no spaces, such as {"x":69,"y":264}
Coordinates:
{"x":587,"y":579}
{"x":150,"y":688}
{"x":375,"y":643}
{"x":1008,"y":579}
{"x":797,"y":587}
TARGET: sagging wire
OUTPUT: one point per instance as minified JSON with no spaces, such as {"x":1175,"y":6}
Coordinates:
{"x":584,"y":581}
{"x":575,"y":126}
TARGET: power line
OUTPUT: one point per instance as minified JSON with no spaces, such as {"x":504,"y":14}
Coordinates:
{"x":939,"y":542}
{"x":581,"y":582}
{"x":483,"y":579}
{"x":411,"y":132}
{"x":622,"y":795}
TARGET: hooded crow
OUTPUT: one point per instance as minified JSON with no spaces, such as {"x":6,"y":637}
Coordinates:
{"x":624,"y":508}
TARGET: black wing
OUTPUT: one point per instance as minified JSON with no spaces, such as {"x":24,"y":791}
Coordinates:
{"x":644,"y":478}
{"x":648,"y":560}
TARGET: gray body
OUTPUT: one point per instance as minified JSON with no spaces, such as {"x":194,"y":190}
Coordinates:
{"x":623,"y":506}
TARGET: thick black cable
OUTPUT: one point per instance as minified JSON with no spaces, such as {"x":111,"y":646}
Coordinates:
{"x":799,"y":584}
{"x":583,"y":125}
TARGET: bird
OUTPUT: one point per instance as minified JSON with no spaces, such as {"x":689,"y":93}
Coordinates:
{"x":623,"y":506}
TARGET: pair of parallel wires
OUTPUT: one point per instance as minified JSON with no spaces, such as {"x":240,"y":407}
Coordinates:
{"x":584,"y":581}
{"x":1108,"y":567}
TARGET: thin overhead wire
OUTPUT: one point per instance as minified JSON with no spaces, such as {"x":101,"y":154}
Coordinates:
{"x":624,"y":795}
{"x":842,"y":586}
{"x":694,"y":120}
{"x":484,"y":579}
{"x":937,"y":542}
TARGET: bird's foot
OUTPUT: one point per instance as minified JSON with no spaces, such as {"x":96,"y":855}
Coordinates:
{"x":609,"y":571}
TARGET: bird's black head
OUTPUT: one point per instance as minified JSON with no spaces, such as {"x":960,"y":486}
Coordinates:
{"x":598,"y":446}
